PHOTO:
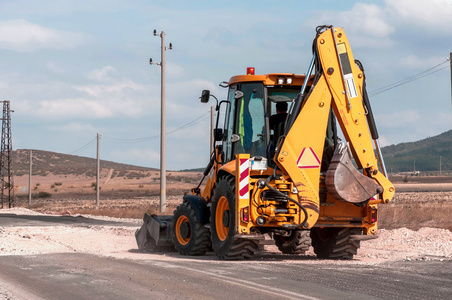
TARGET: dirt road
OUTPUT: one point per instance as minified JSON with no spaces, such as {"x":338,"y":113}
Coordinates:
{"x":85,"y":257}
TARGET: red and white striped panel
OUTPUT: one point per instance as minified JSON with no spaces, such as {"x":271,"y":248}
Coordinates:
{"x":244,"y":179}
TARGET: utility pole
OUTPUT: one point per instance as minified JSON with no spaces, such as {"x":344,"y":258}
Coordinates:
{"x":29,"y":177}
{"x":440,"y":166}
{"x":162,"y":121}
{"x":450,"y":62}
{"x":6,"y":170}
{"x":97,"y":172}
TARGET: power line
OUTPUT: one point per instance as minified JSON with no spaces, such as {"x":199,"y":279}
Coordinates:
{"x":131,"y":141}
{"x":409,"y":79}
{"x":84,"y":147}
{"x":199,"y":119}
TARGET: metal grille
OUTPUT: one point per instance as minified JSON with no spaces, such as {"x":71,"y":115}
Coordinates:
{"x":270,"y":195}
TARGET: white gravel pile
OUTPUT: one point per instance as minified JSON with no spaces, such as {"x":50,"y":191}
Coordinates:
{"x":119,"y":241}
{"x":425,"y":243}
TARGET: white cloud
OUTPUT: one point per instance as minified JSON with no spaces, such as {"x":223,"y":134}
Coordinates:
{"x":73,"y":107}
{"x":174,"y":71}
{"x":414,"y":62}
{"x":366,"y":24}
{"x":106,"y":73}
{"x":139,"y":155}
{"x":371,"y":19}
{"x":23,"y":36}
{"x":411,"y":125}
{"x":55,"y":68}
{"x":74,"y":127}
{"x":421,"y":13}
{"x":66,"y":101}
{"x":182,"y":100}
{"x":384,"y":141}
{"x":107,"y":94}
{"x":398,"y":119}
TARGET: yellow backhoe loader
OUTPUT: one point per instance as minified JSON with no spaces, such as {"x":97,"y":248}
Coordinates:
{"x":286,"y":175}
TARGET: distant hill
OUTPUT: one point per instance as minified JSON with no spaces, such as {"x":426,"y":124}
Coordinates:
{"x":423,"y":155}
{"x":45,"y":162}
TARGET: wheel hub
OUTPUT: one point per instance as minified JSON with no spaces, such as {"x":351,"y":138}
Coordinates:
{"x":226,"y":218}
{"x":185,"y":230}
{"x":222,"y":218}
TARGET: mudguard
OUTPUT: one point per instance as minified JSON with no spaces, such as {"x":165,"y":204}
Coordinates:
{"x":199,"y":205}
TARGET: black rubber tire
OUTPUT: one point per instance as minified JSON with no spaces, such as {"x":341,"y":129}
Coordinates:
{"x":190,"y":237}
{"x":225,"y":244}
{"x":335,"y":243}
{"x":297,"y":242}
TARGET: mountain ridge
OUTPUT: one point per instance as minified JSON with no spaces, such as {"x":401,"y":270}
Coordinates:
{"x":423,"y":155}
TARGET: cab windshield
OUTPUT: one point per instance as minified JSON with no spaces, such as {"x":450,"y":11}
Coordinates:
{"x":280,"y":94}
{"x":248,"y":118}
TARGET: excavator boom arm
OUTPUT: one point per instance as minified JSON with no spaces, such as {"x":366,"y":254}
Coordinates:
{"x":338,"y":84}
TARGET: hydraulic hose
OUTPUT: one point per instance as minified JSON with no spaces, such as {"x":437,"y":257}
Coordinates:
{"x":267,"y":184}
{"x":209,"y":167}
{"x":369,"y":115}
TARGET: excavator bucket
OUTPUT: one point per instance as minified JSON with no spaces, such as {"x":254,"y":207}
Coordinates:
{"x":345,"y":182}
{"x":155,"y":234}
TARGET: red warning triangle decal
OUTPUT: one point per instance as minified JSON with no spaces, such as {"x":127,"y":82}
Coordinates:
{"x":308,"y":159}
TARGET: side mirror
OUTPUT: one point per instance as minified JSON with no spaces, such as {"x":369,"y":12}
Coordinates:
{"x":218,"y":134}
{"x":205,"y":96}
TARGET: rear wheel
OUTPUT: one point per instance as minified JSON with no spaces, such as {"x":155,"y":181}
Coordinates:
{"x":295,"y":242}
{"x":225,"y":243}
{"x":335,"y":243}
{"x":190,"y":237}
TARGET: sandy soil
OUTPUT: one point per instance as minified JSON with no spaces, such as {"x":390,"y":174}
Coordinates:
{"x":119,"y":241}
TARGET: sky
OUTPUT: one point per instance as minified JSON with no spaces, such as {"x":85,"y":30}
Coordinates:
{"x":72,"y":69}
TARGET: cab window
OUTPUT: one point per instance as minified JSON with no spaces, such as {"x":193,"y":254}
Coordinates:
{"x":250,"y":121}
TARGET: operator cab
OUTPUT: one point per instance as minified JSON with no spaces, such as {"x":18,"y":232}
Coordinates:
{"x":252,"y":122}
{"x":253,"y":116}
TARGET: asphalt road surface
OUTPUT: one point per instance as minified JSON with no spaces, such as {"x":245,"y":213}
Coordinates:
{"x":171,"y":276}
{"x":14,"y":220}
{"x":82,"y":276}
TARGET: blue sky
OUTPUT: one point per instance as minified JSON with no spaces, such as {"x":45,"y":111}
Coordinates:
{"x":72,"y":69}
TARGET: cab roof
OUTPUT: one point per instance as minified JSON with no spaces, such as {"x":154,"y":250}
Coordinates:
{"x":269,"y":79}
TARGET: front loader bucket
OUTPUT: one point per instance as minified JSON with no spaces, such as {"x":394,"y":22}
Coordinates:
{"x":345,"y":182}
{"x":155,"y":234}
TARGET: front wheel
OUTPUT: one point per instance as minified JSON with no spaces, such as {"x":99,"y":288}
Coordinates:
{"x":225,"y":243}
{"x":190,"y":237}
